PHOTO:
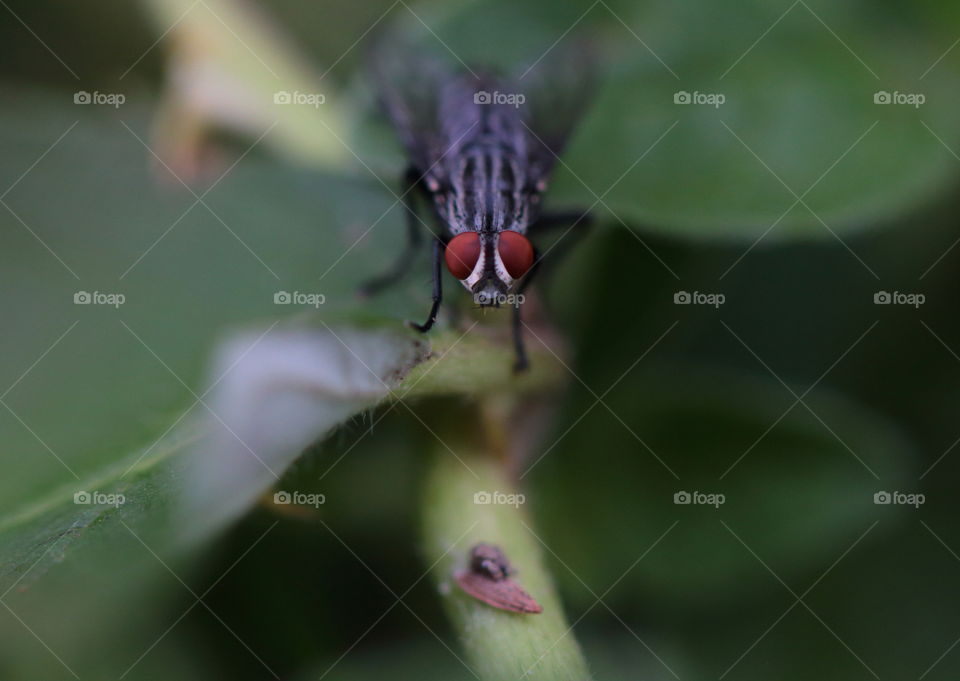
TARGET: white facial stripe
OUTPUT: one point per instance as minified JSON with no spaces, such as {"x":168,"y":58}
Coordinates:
{"x":477,"y":273}
{"x":478,"y":270}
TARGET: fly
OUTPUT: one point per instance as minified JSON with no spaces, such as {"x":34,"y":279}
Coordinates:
{"x":480,"y":150}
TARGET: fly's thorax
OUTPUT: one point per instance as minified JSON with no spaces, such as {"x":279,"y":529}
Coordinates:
{"x":488,"y":187}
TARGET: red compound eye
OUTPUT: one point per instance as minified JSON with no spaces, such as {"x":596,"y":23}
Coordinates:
{"x":516,"y":252}
{"x":462,"y":254}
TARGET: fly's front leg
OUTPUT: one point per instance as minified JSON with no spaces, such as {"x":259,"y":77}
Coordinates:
{"x":557,"y":251}
{"x":402,"y":265}
{"x":521,"y":362}
{"x":437,"y":288}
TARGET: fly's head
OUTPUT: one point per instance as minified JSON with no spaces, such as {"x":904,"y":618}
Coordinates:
{"x":487,"y":200}
{"x":489,"y":263}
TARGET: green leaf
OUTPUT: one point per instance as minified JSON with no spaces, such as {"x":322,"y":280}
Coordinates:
{"x":281,"y":391}
{"x":284,"y":389}
{"x":91,"y":217}
{"x":798,"y":116}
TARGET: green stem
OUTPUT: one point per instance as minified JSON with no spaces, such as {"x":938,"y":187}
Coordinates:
{"x":500,"y":646}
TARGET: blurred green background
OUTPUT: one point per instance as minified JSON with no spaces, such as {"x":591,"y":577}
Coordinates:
{"x":800,"y":198}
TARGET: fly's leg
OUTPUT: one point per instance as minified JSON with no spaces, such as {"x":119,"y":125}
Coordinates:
{"x":437,"y":288}
{"x":521,"y":362}
{"x":402,"y":265}
{"x":567,"y":241}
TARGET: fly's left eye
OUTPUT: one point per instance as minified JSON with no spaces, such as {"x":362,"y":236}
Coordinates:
{"x":516,"y":252}
{"x":462,"y":254}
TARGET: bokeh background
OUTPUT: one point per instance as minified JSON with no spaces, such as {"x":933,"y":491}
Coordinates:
{"x":800,"y":199}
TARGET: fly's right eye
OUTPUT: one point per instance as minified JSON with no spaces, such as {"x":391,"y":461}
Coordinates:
{"x":462,"y":254}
